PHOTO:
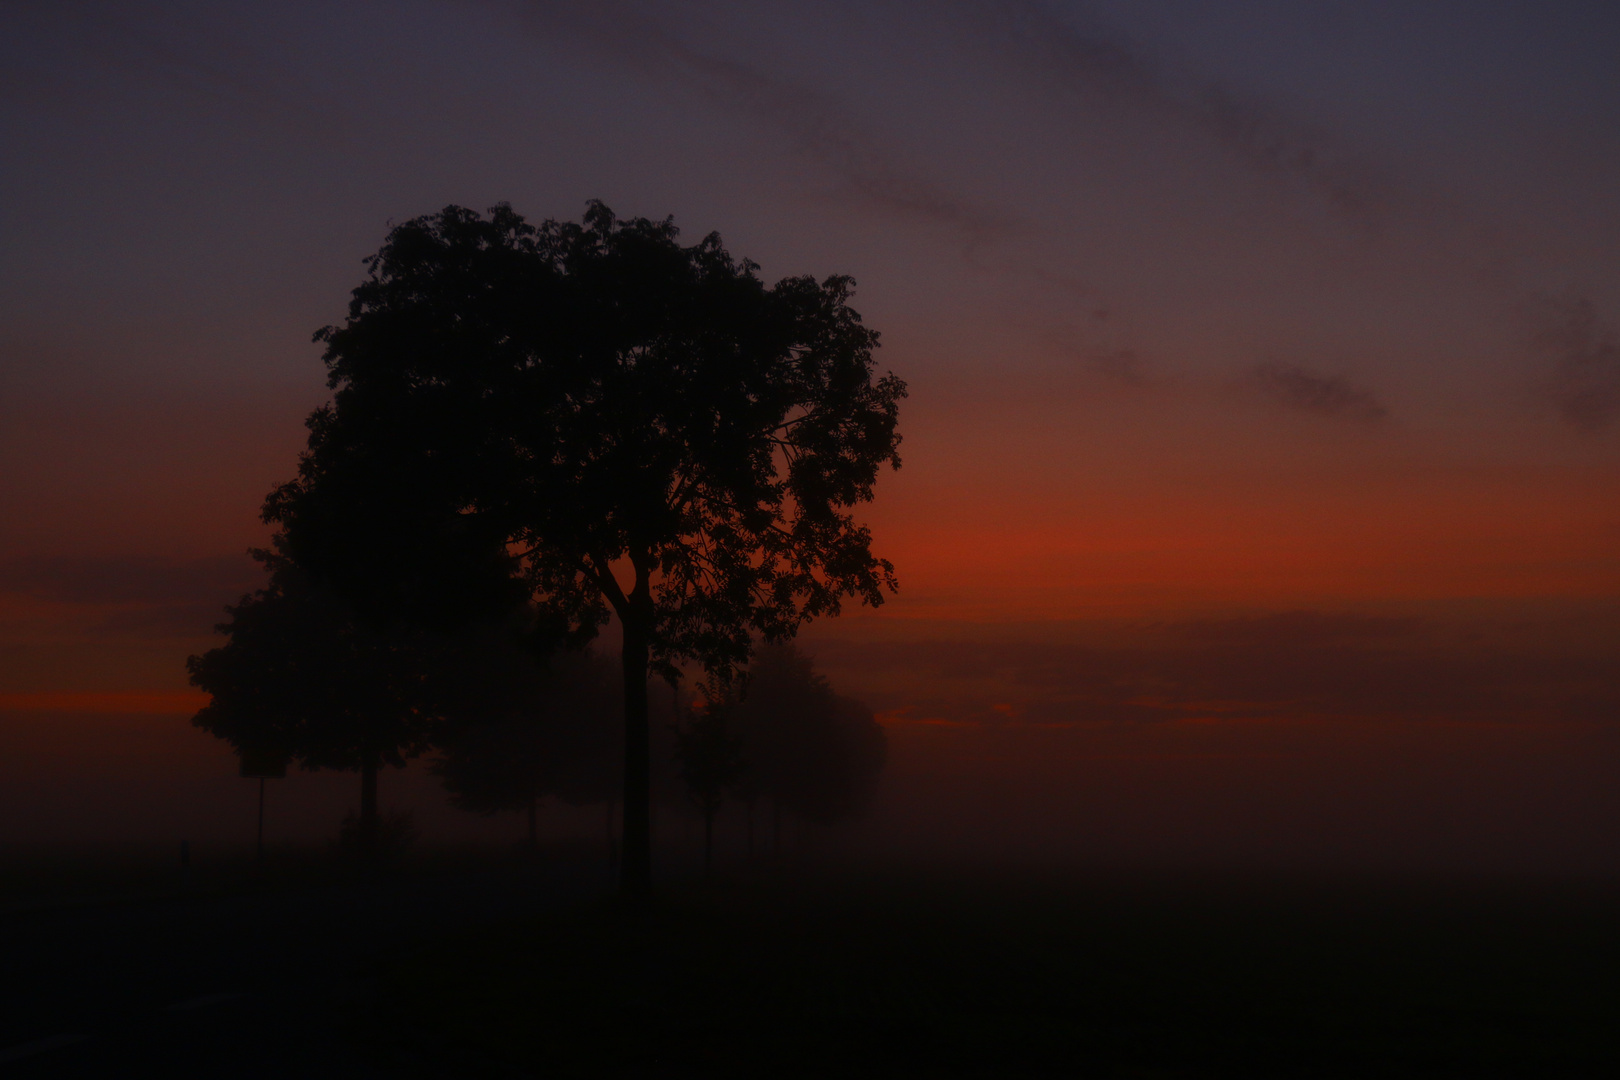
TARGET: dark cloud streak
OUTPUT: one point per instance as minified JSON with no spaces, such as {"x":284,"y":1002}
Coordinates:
{"x":1124,"y":366}
{"x":1295,"y":629}
{"x":1295,"y":666}
{"x":1100,"y":65}
{"x":202,"y":59}
{"x":1330,"y":396}
{"x":1584,"y":353}
{"x":129,"y":580}
{"x":818,"y":125}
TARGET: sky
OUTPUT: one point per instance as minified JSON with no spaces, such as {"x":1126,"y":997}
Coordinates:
{"x":1264,"y":362}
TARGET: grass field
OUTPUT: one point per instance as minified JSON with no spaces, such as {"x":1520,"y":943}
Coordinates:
{"x":934,"y":974}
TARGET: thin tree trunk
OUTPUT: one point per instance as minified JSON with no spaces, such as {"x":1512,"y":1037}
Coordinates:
{"x":708,"y":842}
{"x":776,"y":828}
{"x":259,"y":850}
{"x":636,"y":874}
{"x":750,"y":806}
{"x":534,"y":832}
{"x":368,"y":808}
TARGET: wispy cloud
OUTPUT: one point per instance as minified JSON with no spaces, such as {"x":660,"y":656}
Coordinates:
{"x":1325,"y":395}
{"x":133,"y":597}
{"x":205,"y":62}
{"x":818,"y":125}
{"x":131,"y":580}
{"x":1120,"y":365}
{"x":1583,"y":353}
{"x":1294,"y":664}
{"x":1297,"y":629}
{"x":1101,"y":66}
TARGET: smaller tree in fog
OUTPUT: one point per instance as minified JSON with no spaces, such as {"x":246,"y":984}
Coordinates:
{"x":810,"y":751}
{"x":301,"y":678}
{"x":710,"y":755}
{"x":552,"y":732}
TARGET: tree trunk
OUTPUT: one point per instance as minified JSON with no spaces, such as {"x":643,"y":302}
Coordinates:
{"x":368,"y":808}
{"x":708,"y":841}
{"x":534,"y":832}
{"x":750,"y":805}
{"x":259,"y":849}
{"x":636,"y":870}
{"x":776,"y":828}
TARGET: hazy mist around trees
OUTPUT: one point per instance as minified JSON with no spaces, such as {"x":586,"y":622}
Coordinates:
{"x":534,"y":426}
{"x":508,"y":728}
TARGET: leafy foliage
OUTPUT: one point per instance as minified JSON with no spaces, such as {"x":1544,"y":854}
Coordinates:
{"x":586,"y":397}
{"x":302,"y":678}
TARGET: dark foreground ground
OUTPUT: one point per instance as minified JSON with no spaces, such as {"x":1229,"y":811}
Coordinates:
{"x":492,"y":965}
{"x":1020,"y":975}
{"x":121,"y":963}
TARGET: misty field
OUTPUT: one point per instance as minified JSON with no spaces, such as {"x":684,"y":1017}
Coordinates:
{"x":1026,"y":975}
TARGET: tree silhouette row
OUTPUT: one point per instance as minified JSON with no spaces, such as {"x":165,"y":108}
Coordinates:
{"x":533,"y":427}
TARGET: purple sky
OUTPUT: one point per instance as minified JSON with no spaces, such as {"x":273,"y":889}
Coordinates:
{"x":1211,"y":313}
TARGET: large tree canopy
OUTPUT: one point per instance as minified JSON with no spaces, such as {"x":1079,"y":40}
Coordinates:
{"x":643,"y":426}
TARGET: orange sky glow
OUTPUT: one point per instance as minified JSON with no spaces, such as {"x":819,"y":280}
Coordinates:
{"x":1280,"y":436}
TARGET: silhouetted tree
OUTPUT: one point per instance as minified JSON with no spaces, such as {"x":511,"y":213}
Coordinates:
{"x":835,"y":764}
{"x":711,"y":760}
{"x":810,"y":751}
{"x":647,"y":427}
{"x":553,"y":737}
{"x":302,"y":678}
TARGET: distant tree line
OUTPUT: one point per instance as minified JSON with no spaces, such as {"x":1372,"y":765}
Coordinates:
{"x":782,"y":737}
{"x":505,"y":728}
{"x":536,"y":427}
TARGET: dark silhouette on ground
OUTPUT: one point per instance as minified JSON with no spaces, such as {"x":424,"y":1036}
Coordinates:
{"x":556,"y":738}
{"x":120,"y":963}
{"x":809,"y":751}
{"x":711,"y":759}
{"x":641,"y":426}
